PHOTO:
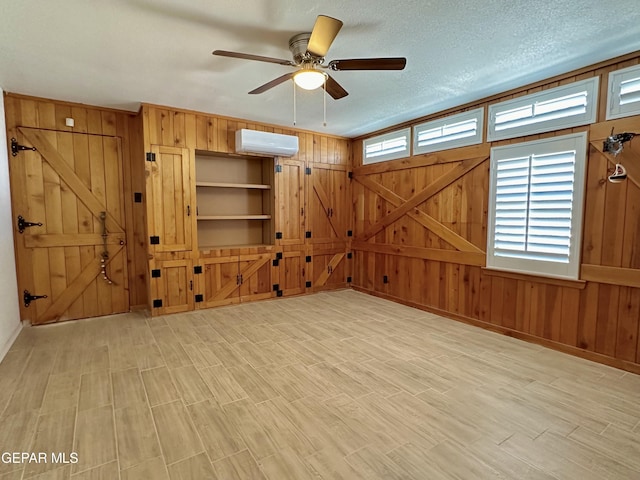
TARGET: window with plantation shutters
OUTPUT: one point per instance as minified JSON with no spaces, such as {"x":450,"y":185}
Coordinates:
{"x":535,"y":216}
{"x":553,"y":109}
{"x":624,"y":93}
{"x":450,"y":132}
{"x":386,"y":147}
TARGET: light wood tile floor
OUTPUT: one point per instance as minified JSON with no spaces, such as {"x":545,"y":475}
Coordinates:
{"x":336,"y":385}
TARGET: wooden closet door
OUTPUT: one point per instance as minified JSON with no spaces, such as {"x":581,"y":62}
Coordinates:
{"x":290,"y":202}
{"x":328,"y":206}
{"x":67,"y":184}
{"x":169,"y":209}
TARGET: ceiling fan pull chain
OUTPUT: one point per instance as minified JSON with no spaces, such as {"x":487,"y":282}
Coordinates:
{"x":324,"y":100}
{"x":294,"y":103}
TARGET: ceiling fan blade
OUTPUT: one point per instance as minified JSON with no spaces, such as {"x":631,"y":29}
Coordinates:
{"x":247,"y":56}
{"x":323,"y":34}
{"x":335,"y":89}
{"x":272,"y":83}
{"x":397,"y":63}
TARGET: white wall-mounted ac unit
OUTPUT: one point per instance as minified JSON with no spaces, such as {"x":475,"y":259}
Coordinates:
{"x":265,"y":143}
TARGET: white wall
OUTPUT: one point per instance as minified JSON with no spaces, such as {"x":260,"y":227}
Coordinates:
{"x":9,"y":306}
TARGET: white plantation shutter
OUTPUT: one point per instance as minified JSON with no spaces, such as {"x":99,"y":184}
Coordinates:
{"x":624,"y":93}
{"x":386,"y":147}
{"x":553,"y":109}
{"x":536,"y":206}
{"x":450,"y":132}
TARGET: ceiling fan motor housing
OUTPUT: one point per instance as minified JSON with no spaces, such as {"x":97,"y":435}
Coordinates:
{"x":298,"y":46}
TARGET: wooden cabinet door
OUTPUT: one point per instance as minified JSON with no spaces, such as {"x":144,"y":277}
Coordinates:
{"x":255,"y":277}
{"x":172,"y":287}
{"x":290,"y":202}
{"x":329,"y":268}
{"x":219,"y":281}
{"x":328,"y":207}
{"x":68,"y":184}
{"x":290,"y":274}
{"x":169,"y":206}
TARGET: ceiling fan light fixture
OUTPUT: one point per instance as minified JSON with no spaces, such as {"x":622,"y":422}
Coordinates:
{"x":309,"y":79}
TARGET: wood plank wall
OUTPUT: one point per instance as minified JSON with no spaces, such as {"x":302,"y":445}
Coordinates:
{"x":25,"y":111}
{"x":421,"y":222}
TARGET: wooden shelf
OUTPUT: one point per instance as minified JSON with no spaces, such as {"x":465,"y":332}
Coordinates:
{"x":234,"y":217}
{"x":233,"y":185}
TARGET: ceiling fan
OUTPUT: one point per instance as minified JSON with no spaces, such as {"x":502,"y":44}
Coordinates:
{"x":309,"y":50}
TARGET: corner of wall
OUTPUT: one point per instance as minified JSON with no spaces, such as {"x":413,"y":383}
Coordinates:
{"x":10,"y":325}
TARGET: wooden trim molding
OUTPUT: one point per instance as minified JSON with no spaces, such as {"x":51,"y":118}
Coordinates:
{"x":439,"y":255}
{"x":560,"y":282}
{"x":624,"y":277}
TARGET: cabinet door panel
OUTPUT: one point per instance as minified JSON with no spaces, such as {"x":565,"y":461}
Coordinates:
{"x":218,"y":283}
{"x":329,"y":268}
{"x":169,"y":199}
{"x":174,"y":287}
{"x":328,"y":207}
{"x":290,"y":202}
{"x":290,"y":273}
{"x":255,"y":275}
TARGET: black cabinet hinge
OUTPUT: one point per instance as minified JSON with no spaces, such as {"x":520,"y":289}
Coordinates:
{"x":157,"y":303}
{"x":278,"y":168}
{"x":307,"y":170}
{"x":276,"y":287}
{"x":154,"y":240}
{"x":197,"y":270}
{"x":307,"y":234}
{"x":350,"y":175}
{"x":278,"y":235}
{"x":279,"y":256}
{"x":348,"y":279}
{"x":307,"y":259}
{"x":199,"y":298}
{"x":350,"y":255}
{"x":349,"y":233}
{"x":279,"y":293}
{"x":137,"y":197}
{"x":16,"y":147}
{"x":151,"y":157}
{"x":155,"y":273}
{"x":385,"y":279}
{"x":307,"y":285}
{"x":276,"y":263}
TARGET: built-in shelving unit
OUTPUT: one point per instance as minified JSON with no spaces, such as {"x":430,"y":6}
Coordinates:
{"x":234,"y":198}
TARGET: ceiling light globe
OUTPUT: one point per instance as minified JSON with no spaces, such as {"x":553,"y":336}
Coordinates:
{"x":309,"y":79}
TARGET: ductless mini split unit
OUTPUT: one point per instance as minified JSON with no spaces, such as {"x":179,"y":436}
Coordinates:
{"x":265,"y":143}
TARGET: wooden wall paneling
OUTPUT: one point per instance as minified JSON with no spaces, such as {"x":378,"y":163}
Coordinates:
{"x":588,"y":317}
{"x":631,"y":229}
{"x":595,"y":192}
{"x":628,"y":324}
{"x":569,"y":316}
{"x":607,"y":319}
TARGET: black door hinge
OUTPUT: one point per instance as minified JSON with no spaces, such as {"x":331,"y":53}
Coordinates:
{"x":350,"y":175}
{"x":137,"y":197}
{"x":307,"y":285}
{"x":151,"y":157}
{"x":197,"y":270}
{"x":278,"y":168}
{"x":157,"y":303}
{"x":307,"y":170}
{"x":27,"y":298}
{"x":278,"y":235}
{"x":23,"y":224}
{"x":348,"y":279}
{"x":199,"y":298}
{"x":276,"y":287}
{"x":350,"y":255}
{"x":155,"y":273}
{"x":279,"y":293}
{"x":349,"y":233}
{"x":154,"y":240}
{"x":307,"y":234}
{"x":307,"y":259}
{"x":385,"y":279}
{"x":16,"y":147}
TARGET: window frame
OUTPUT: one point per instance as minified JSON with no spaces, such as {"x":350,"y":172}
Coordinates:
{"x":406,"y":132}
{"x":588,"y":117}
{"x":614,"y":109}
{"x":477,"y":138}
{"x":570,"y":270}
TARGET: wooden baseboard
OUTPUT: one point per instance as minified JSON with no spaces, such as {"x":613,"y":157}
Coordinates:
{"x":527,"y":337}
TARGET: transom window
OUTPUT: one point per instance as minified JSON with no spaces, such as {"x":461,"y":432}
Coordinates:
{"x":450,"y":132}
{"x":624,"y":93}
{"x":386,"y":147}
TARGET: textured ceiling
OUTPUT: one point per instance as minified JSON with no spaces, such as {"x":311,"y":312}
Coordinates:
{"x":118,"y":53}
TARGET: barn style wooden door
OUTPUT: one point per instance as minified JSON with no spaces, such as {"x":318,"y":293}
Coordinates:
{"x":70,"y":186}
